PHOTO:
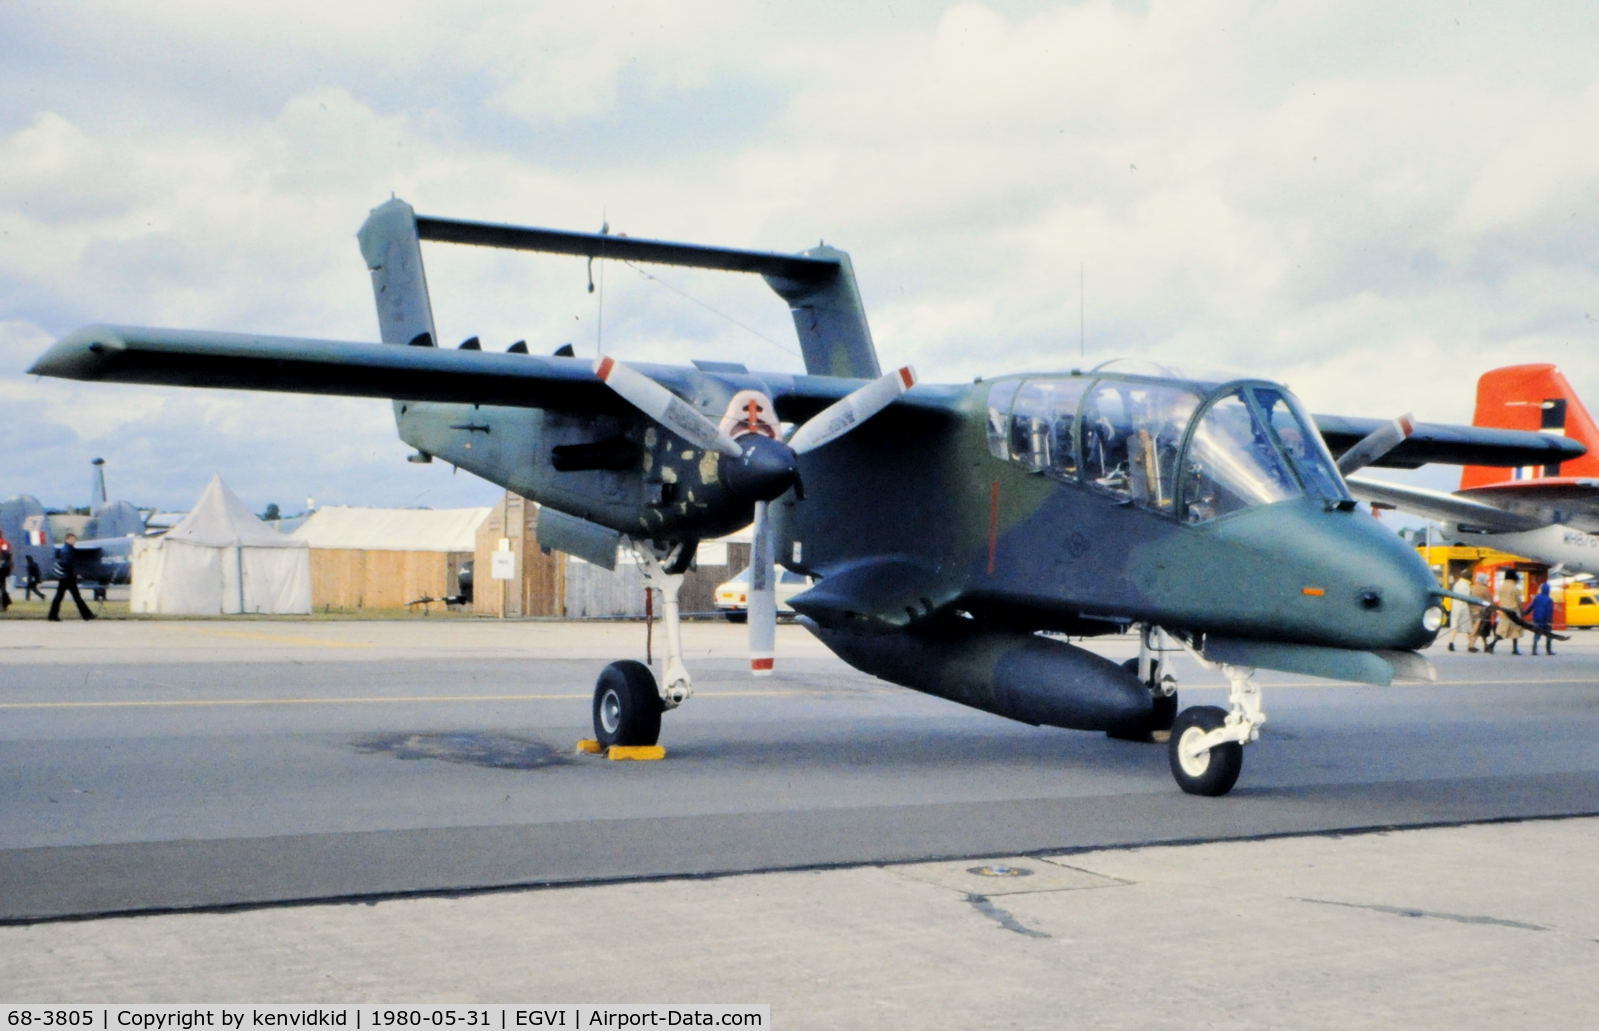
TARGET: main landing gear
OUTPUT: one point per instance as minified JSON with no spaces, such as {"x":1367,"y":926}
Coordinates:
{"x":628,"y":701}
{"x":1150,"y":669}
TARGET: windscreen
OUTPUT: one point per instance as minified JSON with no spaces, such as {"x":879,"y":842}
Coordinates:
{"x":1254,"y":447}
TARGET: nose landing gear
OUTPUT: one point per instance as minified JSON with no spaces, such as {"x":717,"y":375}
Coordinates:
{"x":1206,"y":750}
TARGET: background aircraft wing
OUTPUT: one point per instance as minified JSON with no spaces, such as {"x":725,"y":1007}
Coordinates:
{"x":1452,"y":445}
{"x":1571,"y":500}
{"x":1441,"y":505}
{"x":242,"y":361}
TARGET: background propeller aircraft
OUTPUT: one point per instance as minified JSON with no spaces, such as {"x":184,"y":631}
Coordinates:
{"x":104,"y":557}
{"x":1545,"y":511}
{"x":956,"y":531}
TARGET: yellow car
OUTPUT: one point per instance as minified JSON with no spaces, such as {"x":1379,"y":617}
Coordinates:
{"x":732,"y":597}
{"x":1582,"y":606}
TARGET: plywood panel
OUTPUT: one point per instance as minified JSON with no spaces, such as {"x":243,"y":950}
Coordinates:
{"x":353,"y":579}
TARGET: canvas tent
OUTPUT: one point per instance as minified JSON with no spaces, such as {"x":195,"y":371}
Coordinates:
{"x":220,"y":559}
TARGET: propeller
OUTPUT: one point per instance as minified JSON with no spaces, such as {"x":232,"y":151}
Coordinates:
{"x":761,"y":619}
{"x":763,"y":467}
{"x":1377,"y":443}
{"x":664,"y":407}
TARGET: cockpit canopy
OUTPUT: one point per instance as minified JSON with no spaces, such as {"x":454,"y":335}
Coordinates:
{"x":1193,"y":448}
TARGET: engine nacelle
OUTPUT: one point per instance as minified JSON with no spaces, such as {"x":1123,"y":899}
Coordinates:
{"x":1037,"y":680}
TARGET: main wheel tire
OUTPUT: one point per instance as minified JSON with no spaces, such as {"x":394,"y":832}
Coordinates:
{"x":1153,"y":728}
{"x":627,"y":705}
{"x":1164,"y":713}
{"x":1215,"y":771}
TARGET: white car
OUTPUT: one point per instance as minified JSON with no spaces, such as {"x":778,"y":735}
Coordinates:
{"x":732,"y":597}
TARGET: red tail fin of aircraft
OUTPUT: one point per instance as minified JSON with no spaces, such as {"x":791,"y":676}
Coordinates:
{"x":1538,"y":398}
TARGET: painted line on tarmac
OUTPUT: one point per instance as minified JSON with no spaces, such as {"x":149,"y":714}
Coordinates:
{"x":247,"y":635}
{"x":201,"y":703}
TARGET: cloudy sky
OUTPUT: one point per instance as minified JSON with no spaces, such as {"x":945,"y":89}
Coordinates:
{"x":1374,"y":202}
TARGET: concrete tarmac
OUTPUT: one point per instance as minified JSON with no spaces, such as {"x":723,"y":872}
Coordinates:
{"x":1488,"y":924}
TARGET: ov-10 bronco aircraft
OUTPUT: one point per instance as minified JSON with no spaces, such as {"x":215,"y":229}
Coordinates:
{"x":958,"y":533}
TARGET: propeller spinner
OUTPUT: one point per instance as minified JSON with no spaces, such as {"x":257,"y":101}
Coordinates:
{"x":756,"y":464}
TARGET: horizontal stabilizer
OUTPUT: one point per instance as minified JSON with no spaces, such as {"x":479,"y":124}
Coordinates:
{"x":818,"y":285}
{"x":625,"y":248}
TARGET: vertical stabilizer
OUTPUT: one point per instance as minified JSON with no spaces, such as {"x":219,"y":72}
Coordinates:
{"x":830,"y":319}
{"x":393,"y":253}
{"x":1536,"y":398}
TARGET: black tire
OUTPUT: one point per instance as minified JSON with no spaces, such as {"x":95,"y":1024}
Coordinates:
{"x":1152,"y":729}
{"x":737,"y":617}
{"x":1164,"y":713}
{"x":627,"y":705}
{"x":1214,"y":773}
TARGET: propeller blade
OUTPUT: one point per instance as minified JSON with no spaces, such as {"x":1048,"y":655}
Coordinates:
{"x":848,"y":412}
{"x":664,"y":407}
{"x":1377,"y":443}
{"x":762,"y":598}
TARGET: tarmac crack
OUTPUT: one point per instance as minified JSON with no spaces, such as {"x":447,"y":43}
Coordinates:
{"x":984,"y":905}
{"x":1422,"y":914}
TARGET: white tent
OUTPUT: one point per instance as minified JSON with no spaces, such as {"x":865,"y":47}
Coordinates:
{"x":392,"y":529}
{"x":220,"y":559}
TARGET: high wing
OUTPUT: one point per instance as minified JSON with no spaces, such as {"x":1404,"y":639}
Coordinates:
{"x":245,"y":361}
{"x":1447,"y":444}
{"x":1442,"y":505}
{"x":1569,"y":500}
{"x":1514,"y":506}
{"x":242,"y":361}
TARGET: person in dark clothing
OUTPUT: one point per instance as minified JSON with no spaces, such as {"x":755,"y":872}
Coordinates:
{"x":34,"y":576}
{"x":67,"y":580}
{"x":5,"y":573}
{"x":1542,"y":610}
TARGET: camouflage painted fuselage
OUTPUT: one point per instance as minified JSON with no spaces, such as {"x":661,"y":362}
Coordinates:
{"x":915,"y":517}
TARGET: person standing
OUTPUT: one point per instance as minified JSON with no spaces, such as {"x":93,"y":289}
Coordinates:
{"x":1542,"y":610}
{"x":1484,"y":627}
{"x":1508,"y":598}
{"x":1460,"y":614}
{"x":5,"y":572}
{"x":67,"y":579}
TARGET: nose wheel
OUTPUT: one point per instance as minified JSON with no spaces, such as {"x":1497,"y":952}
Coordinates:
{"x":1206,"y":750}
{"x":1202,"y":769}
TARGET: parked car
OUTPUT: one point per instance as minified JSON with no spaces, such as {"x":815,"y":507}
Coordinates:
{"x":732,"y":597}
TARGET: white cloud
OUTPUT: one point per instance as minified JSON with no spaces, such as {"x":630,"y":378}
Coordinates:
{"x":1376,"y":202}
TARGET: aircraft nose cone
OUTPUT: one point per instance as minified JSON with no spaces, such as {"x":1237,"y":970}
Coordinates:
{"x":1387,"y":595}
{"x":764,"y":470}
